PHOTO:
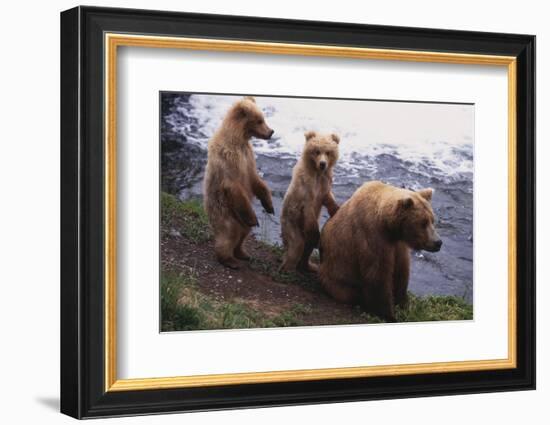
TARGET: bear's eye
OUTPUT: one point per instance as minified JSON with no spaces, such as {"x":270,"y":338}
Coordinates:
{"x":317,"y":152}
{"x":260,"y":121}
{"x":426,"y":223}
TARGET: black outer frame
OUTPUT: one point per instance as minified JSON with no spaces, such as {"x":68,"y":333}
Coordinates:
{"x":82,"y":218}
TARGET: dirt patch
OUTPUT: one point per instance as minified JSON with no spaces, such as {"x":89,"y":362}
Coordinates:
{"x":259,"y":290}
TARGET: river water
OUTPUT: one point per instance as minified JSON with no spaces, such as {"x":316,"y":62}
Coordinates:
{"x":412,"y":145}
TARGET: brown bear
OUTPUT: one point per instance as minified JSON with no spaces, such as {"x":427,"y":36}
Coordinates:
{"x":365,"y":248}
{"x":310,"y":189}
{"x":231,"y":180}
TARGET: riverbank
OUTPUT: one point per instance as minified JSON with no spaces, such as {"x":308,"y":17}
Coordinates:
{"x":199,"y":293}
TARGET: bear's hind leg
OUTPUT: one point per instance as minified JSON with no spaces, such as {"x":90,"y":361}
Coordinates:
{"x":294,"y":250}
{"x":345,"y":294}
{"x":226,"y":241}
{"x":305,"y":264}
{"x":312,"y":236}
{"x":240,"y":252}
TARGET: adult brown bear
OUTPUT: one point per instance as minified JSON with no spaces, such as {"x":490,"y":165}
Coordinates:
{"x":231,"y":180}
{"x":365,"y":247}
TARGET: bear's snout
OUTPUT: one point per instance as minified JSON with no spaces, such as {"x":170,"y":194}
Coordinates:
{"x":265,"y":133}
{"x":322,"y":165}
{"x":436,"y":246}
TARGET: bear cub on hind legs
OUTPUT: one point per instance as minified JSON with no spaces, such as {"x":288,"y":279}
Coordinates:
{"x":310,"y":189}
{"x":231,"y":180}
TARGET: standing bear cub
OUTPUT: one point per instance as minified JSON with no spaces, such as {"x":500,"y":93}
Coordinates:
{"x":309,"y":190}
{"x":231,"y":180}
{"x":365,"y":248}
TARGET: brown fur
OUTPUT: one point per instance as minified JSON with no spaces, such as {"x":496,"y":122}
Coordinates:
{"x":365,"y":248}
{"x":231,"y":180}
{"x":309,"y":190}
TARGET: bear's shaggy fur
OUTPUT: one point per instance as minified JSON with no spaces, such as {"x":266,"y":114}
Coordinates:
{"x":365,"y":248}
{"x":231,"y":180}
{"x":309,"y":190}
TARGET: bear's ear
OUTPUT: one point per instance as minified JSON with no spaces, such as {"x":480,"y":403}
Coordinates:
{"x":426,"y":194}
{"x":335,"y":138}
{"x":405,"y":203}
{"x":241,"y":110}
{"x":310,"y":135}
{"x":250,"y":98}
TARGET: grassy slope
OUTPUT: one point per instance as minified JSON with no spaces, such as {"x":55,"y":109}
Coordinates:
{"x":185,"y":307}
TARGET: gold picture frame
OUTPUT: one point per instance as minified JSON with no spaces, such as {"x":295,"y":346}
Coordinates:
{"x":114,"y":41}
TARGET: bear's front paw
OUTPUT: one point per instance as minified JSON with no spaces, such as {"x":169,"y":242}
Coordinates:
{"x":251,"y":221}
{"x":268,"y":207}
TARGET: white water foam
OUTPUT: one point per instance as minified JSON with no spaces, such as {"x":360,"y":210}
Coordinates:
{"x":439,"y":136}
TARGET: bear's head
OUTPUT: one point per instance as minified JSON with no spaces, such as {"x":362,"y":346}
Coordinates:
{"x":414,"y":220}
{"x":249,"y":120}
{"x":321,"y":151}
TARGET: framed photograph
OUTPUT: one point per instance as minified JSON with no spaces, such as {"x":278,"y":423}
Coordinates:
{"x":261,"y":212}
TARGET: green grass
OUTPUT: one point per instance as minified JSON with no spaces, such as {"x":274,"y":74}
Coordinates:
{"x":184,"y":308}
{"x":434,"y":308}
{"x":174,"y":315}
{"x":187,"y":217}
{"x":428,"y":308}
